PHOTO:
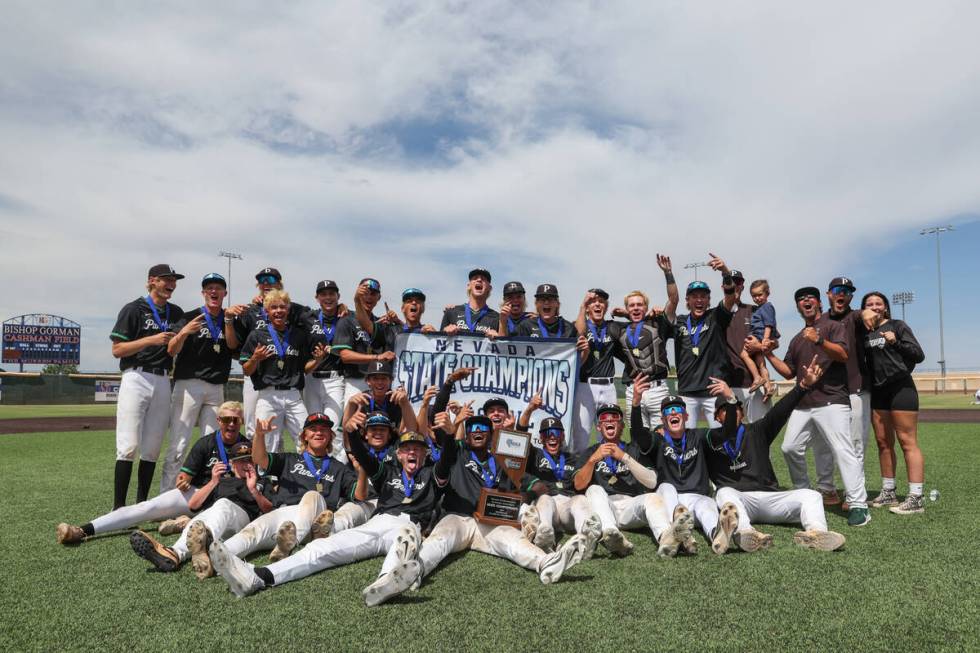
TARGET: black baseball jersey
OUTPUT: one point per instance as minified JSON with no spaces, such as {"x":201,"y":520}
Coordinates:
{"x":601,"y":362}
{"x":891,"y":363}
{"x":854,"y":332}
{"x":832,"y":386}
{"x":397,"y":493}
{"x":642,"y":348}
{"x":256,"y":317}
{"x":322,"y":330}
{"x":236,"y":490}
{"x":295,"y":342}
{"x":513,"y":323}
{"x":383,"y":456}
{"x":711,"y":359}
{"x":197,"y":358}
{"x":683,"y":461}
{"x":486,"y":319}
{"x":560,"y":328}
{"x":558,"y":473}
{"x":738,"y":330}
{"x":135,"y":321}
{"x":389,"y":333}
{"x":466,"y":478}
{"x":614,"y":475}
{"x":351,"y":336}
{"x":296,"y":479}
{"x":203,"y":456}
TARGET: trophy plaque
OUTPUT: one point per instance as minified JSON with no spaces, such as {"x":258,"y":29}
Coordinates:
{"x":509,"y":449}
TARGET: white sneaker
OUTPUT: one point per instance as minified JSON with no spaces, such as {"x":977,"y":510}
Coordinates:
{"x":240,"y":575}
{"x":615,"y":542}
{"x":392,"y":584}
{"x":591,"y":533}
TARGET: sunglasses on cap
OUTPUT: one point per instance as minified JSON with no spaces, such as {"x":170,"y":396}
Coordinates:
{"x":229,"y":419}
{"x":372,"y":284}
{"x":378,"y":420}
{"x":672,"y":410}
{"x":268,"y":279}
{"x":609,"y":417}
{"x":552,"y":433}
{"x":841,"y":290}
{"x":482,"y":428}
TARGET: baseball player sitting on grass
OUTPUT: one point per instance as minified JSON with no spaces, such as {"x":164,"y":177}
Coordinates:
{"x":407,"y":497}
{"x":380,"y":398}
{"x":739,"y":465}
{"x":231,"y":499}
{"x":172,"y":505}
{"x":618,"y":485}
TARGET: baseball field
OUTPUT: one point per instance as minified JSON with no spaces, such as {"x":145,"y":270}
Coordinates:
{"x":908,"y":583}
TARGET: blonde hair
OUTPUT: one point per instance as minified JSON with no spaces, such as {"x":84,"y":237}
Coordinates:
{"x":275,"y":295}
{"x":636,"y":293}
{"x":301,"y":443}
{"x":232,"y":405}
{"x":759,"y":283}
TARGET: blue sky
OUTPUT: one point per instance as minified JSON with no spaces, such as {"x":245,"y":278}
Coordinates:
{"x":413,"y":141}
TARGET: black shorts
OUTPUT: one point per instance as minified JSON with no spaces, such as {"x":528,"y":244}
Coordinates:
{"x":897,"y":395}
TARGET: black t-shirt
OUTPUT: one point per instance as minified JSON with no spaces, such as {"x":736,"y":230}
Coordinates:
{"x":197,"y":358}
{"x":236,"y":491}
{"x":351,"y":336}
{"x":268,"y":373}
{"x":694,"y":370}
{"x":296,"y":479}
{"x":601,"y":362}
{"x":832,"y":386}
{"x":486,"y":319}
{"x":466,"y":478}
{"x":738,"y":331}
{"x":691,"y":474}
{"x":890,"y":363}
{"x":560,"y":328}
{"x":256,"y":317}
{"x":854,"y":332}
{"x":558,"y":473}
{"x":606,"y":469}
{"x":650,"y":341}
{"x":135,"y":321}
{"x":322,"y":330}
{"x":203,"y":456}
{"x":513,"y":323}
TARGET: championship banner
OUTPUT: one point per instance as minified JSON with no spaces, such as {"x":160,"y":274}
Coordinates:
{"x":107,"y":390}
{"x":512,"y":368}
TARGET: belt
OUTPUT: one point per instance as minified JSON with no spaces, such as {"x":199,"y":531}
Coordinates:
{"x":652,"y":382}
{"x":159,"y":371}
{"x":283,"y":387}
{"x":600,"y":380}
{"x":327,"y":375}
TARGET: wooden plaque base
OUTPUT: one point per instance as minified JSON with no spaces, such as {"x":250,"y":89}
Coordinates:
{"x":498,"y":508}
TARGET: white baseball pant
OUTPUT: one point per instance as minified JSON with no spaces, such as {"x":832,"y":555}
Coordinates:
{"x":166,"y":505}
{"x":564,"y":513}
{"x":832,"y":422}
{"x":260,"y":535}
{"x":754,"y":405}
{"x":803,"y":507}
{"x":222,"y":519}
{"x":649,"y":403}
{"x":141,"y":414}
{"x":288,"y":411}
{"x":703,"y":508}
{"x":353,"y":514}
{"x":587,"y":397}
{"x":823,"y":458}
{"x":249,"y":396}
{"x":704,"y":406}
{"x":620,"y":511}
{"x":375,"y":538}
{"x":194,"y":403}
{"x":455,"y":533}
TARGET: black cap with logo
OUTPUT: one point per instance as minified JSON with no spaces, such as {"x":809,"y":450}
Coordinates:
{"x":163,"y":270}
{"x":268,"y":272}
{"x":326,"y":284}
{"x":513,"y":287}
{"x":546,"y":290}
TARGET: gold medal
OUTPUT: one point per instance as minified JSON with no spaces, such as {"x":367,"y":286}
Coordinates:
{"x":216,"y":348}
{"x":612,"y":480}
{"x":280,"y":363}
{"x":406,"y":500}
{"x":560,"y":485}
{"x":695,"y":351}
{"x":636,"y":351}
{"x":596,"y":354}
{"x":319,"y":487}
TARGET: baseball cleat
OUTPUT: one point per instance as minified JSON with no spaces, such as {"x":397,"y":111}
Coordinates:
{"x":240,"y":575}
{"x":727,"y":523}
{"x":858,"y":516}
{"x":285,"y":541}
{"x":679,"y":533}
{"x":690,"y":546}
{"x":173,"y":526}
{"x":751,"y":540}
{"x":530,"y":522}
{"x":667,"y":545}
{"x":885,"y":498}
{"x":322,"y":525}
{"x":555,"y":564}
{"x":393,"y":583}
{"x":407,"y":544}
{"x":67,"y":534}
{"x":162,"y":557}
{"x":912,"y":505}
{"x":830,"y":497}
{"x":615,"y":542}
{"x":198,"y":540}
{"x":591,"y":533}
{"x":544,"y":539}
{"x":819,"y":540}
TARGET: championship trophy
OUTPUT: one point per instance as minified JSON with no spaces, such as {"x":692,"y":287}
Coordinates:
{"x":509,"y":449}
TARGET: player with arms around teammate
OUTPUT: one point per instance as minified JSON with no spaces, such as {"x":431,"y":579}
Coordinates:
{"x":473,"y":317}
{"x":596,"y":376}
{"x":513,"y":309}
{"x":201,"y":369}
{"x":358,"y":348}
{"x":140,"y":336}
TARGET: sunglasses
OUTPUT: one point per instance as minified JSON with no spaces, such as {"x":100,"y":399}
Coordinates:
{"x":609,"y":417}
{"x":269,"y":280}
{"x":841,"y":290}
{"x":672,"y":410}
{"x":229,"y":419}
{"x":482,"y":428}
{"x":552,"y":433}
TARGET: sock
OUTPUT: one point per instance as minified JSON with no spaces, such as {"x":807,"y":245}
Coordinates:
{"x":124,"y":470}
{"x":88,"y":529}
{"x":144,"y":477}
{"x":916,"y":489}
{"x":887,"y":483}
{"x":265,"y":575}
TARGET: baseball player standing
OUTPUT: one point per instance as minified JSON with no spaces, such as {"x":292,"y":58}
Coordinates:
{"x":596,"y":376}
{"x":474,"y":316}
{"x":325,"y":385}
{"x":755,"y":403}
{"x":140,"y":336}
{"x":512,"y":312}
{"x":201,"y":369}
{"x":356,"y":347}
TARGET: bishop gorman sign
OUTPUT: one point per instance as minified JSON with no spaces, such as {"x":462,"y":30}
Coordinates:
{"x":41,"y":340}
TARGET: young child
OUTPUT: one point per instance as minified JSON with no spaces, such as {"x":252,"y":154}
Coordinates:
{"x":763,"y":327}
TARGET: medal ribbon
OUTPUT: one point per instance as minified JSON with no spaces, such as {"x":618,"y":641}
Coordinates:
{"x":511,"y":325}
{"x":328,"y":333}
{"x":379,"y":455}
{"x":733,"y":451}
{"x":633,"y":337}
{"x":488,"y":477}
{"x":212,"y":328}
{"x":165,"y":323}
{"x":470,"y":322}
{"x":317,"y":473}
{"x":599,"y":337}
{"x":673,"y":445}
{"x":434,"y":452}
{"x":384,"y":406}
{"x":408,"y":484}
{"x":222,"y":454}
{"x":611,"y":463}
{"x":544,"y":328}
{"x":281,"y":345}
{"x":559,"y":468}
{"x":695,"y":333}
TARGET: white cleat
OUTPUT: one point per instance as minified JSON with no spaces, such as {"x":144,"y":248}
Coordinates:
{"x":616,"y":543}
{"x":173,"y":526}
{"x":393,"y":583}
{"x":555,"y":564}
{"x":240,"y":575}
{"x":530,"y":522}
{"x":591,"y":534}
{"x":727,"y":523}
{"x":544,"y":539}
{"x":407,"y":544}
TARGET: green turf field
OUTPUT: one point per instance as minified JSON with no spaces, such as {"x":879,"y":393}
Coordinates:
{"x":902,"y":582}
{"x":66,"y":410}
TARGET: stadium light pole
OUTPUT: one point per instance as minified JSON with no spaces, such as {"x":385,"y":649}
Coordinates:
{"x":229,"y":256}
{"x":939,"y":276}
{"x":695,"y":266}
{"x":903,"y":298}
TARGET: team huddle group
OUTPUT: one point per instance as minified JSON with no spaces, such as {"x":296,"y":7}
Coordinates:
{"x":372,"y":476}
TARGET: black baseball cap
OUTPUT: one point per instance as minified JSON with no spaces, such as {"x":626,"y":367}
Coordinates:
{"x":806,"y":291}
{"x":371,"y":283}
{"x":479,"y":272}
{"x":721,"y":402}
{"x":608,"y":408}
{"x":377,"y":418}
{"x":380,"y":367}
{"x":512,"y":287}
{"x":326,"y":284}
{"x":408,"y":437}
{"x":317,"y":418}
{"x":600,"y":292}
{"x":737,"y":275}
{"x":163,"y":270}
{"x":550,"y":423}
{"x":408,"y":293}
{"x":695,"y":286}
{"x":842,"y":282}
{"x":495,"y":401}
{"x":213,"y":277}
{"x":241,"y":450}
{"x":672,"y":400}
{"x":546,"y":290}
{"x":268,"y":272}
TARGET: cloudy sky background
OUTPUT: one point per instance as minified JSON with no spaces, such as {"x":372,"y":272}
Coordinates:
{"x":565,"y":143}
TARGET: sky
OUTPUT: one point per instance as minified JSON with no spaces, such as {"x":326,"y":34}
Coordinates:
{"x":549,"y":142}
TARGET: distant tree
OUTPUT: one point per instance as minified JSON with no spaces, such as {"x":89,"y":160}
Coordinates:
{"x":60,"y":369}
